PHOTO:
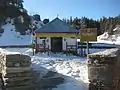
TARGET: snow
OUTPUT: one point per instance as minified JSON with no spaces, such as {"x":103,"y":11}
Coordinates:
{"x":11,"y":37}
{"x":103,"y":44}
{"x":110,"y":52}
{"x":117,"y":28}
{"x":104,"y":36}
{"x":38,"y":24}
{"x":111,"y":39}
{"x":72,"y":67}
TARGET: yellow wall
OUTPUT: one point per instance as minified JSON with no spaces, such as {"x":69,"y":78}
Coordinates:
{"x":56,"y":35}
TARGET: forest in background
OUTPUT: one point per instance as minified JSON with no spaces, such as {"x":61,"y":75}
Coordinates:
{"x":104,"y":24}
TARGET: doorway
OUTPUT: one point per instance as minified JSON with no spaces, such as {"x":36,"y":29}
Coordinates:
{"x":56,"y":44}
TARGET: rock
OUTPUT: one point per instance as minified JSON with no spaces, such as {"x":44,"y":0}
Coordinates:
{"x":103,"y":70}
{"x":18,"y":60}
{"x":16,"y":72}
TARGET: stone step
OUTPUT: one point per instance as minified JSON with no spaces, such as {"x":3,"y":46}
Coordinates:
{"x":17,"y":70}
{"x":17,"y":79}
{"x":19,"y":83}
{"x":20,"y":74}
{"x":21,"y":88}
{"x":17,"y":57}
{"x":18,"y":64}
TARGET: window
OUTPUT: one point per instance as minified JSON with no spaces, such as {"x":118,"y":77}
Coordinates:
{"x":42,"y":37}
{"x":73,"y":37}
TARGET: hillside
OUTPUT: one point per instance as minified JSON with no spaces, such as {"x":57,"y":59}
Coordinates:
{"x":110,"y":38}
{"x":11,"y":37}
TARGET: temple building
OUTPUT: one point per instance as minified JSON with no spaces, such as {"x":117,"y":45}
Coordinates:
{"x":56,"y":36}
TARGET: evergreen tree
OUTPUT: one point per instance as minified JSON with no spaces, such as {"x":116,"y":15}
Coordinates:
{"x":10,"y":8}
{"x":104,"y":24}
{"x":45,"y":21}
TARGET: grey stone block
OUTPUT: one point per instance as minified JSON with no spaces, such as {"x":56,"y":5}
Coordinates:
{"x":18,"y":79}
{"x":18,"y":83}
{"x":21,"y":88}
{"x":20,"y":74}
{"x":16,"y":68}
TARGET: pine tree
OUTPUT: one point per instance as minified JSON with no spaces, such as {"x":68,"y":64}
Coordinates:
{"x":10,"y":8}
{"x":45,"y":21}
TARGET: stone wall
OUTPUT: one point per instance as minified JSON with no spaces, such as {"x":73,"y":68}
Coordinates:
{"x":16,"y":72}
{"x":2,"y":68}
{"x":103,"y":70}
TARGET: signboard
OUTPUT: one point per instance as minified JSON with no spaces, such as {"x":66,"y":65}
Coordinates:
{"x":88,"y":34}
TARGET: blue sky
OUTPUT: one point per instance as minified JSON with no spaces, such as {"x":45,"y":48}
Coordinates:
{"x":75,"y":8}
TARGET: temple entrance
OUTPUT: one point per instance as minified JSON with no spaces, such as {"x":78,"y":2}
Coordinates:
{"x":56,"y":44}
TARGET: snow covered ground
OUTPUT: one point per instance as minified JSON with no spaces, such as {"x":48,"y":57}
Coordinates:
{"x":11,"y":37}
{"x":73,"y":67}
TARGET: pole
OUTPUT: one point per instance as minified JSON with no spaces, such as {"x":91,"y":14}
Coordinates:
{"x":32,"y":45}
{"x":36,"y":45}
{"x":33,"y":41}
{"x":87,"y":48}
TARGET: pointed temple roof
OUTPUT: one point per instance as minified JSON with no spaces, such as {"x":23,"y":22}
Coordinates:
{"x":56,"y":26}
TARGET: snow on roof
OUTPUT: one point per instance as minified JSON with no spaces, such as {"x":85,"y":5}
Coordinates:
{"x":57,"y":26}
